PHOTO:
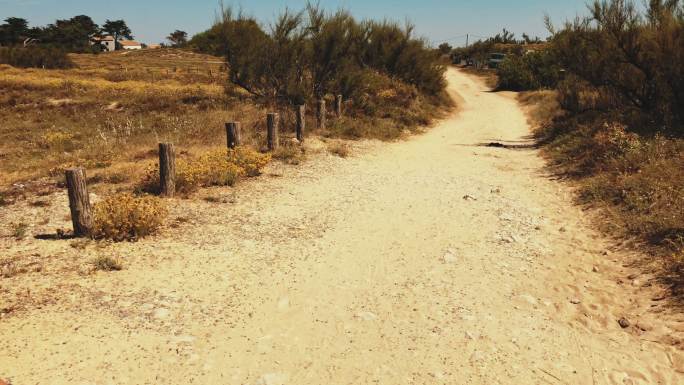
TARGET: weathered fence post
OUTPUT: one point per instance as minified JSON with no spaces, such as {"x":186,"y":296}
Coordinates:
{"x":320,"y":114}
{"x":233,"y":134}
{"x":272,"y":133}
{"x":301,"y":122}
{"x":79,"y":202}
{"x":167,"y":169}
{"x":338,"y":106}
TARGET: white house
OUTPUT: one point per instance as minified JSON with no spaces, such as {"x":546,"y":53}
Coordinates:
{"x":130,"y":44}
{"x":107,"y":43}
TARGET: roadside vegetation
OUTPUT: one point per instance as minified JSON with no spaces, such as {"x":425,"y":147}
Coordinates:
{"x":107,"y":112}
{"x":390,"y":80}
{"x":609,"y":95}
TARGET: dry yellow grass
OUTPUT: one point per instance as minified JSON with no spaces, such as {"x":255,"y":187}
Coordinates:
{"x":113,"y":109}
{"x":109,"y":113}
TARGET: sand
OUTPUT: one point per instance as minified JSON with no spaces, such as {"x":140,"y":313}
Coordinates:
{"x":432,"y":260}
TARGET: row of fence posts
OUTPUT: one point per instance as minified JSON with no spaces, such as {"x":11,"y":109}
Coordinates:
{"x":79,"y":200}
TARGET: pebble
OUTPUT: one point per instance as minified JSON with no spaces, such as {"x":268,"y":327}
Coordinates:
{"x":367,"y":316}
{"x":623,"y":322}
{"x":575,"y":301}
{"x":284,"y":303}
{"x":528,"y":298}
{"x":272,"y":379}
{"x":161,"y":313}
{"x":449,"y":257}
{"x":595,"y":269}
{"x":471,"y":335}
{"x":183,"y":339}
{"x":477,"y":356}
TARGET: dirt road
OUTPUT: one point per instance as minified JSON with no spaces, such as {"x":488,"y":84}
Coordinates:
{"x":429,"y":261}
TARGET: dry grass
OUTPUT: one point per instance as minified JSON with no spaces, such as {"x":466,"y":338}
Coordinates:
{"x":109,"y":113}
{"x":542,"y":106}
{"x":112,"y":109}
{"x":339,"y":148}
{"x":635,"y":180}
{"x":215,"y":167}
{"x":123,"y":217}
{"x":104,"y":263}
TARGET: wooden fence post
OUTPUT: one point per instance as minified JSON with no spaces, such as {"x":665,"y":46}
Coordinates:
{"x":167,"y":169}
{"x":233,"y":134}
{"x":79,"y":202}
{"x":301,"y":122}
{"x":320,"y":114}
{"x":272,"y":133}
{"x":338,"y":106}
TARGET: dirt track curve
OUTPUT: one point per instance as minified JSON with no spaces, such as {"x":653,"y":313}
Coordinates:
{"x":433,"y":260}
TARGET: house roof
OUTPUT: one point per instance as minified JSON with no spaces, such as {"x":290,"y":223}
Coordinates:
{"x":103,"y":38}
{"x":129,"y":43}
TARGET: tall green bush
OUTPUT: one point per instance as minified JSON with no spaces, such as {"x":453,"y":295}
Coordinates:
{"x":532,"y":71}
{"x":632,"y":57}
{"x":309,"y":54}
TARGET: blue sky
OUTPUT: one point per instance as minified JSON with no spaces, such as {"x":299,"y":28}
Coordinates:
{"x":437,"y":20}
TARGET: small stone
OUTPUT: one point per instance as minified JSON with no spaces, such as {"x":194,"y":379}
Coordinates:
{"x":575,"y":301}
{"x":449,"y":257}
{"x":623,"y":322}
{"x":284,"y":303}
{"x":528,"y":298}
{"x":595,"y":269}
{"x":471,"y":335}
{"x":632,"y":276}
{"x":367,"y":316}
{"x":606,"y":252}
{"x":184,"y":339}
{"x":477,"y":356}
{"x":562,"y":229}
{"x":271,"y":379}
{"x":161,"y":313}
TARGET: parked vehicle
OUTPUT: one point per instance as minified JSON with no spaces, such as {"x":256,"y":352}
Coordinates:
{"x":495,"y":59}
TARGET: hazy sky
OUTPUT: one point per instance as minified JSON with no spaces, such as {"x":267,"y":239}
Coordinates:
{"x":437,"y":20}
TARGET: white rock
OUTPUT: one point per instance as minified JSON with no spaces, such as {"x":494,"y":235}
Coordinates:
{"x":477,"y":356}
{"x":184,"y":339}
{"x":367,"y":316}
{"x":528,"y":298}
{"x":272,"y":379}
{"x":449,"y":257}
{"x":161,"y":313}
{"x":284,"y":303}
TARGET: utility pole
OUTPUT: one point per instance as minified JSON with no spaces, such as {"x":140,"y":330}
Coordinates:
{"x":467,"y":39}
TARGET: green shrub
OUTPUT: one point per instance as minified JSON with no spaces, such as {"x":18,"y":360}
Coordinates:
{"x":532,"y":71}
{"x":35,"y":57}
{"x":309,"y":54}
{"x":632,"y":58}
{"x":515,"y":75}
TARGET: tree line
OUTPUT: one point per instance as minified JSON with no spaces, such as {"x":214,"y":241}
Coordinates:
{"x":627,"y":58}
{"x":71,"y":35}
{"x":310,"y":53}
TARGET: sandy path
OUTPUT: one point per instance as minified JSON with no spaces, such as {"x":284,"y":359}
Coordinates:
{"x":429,"y":261}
